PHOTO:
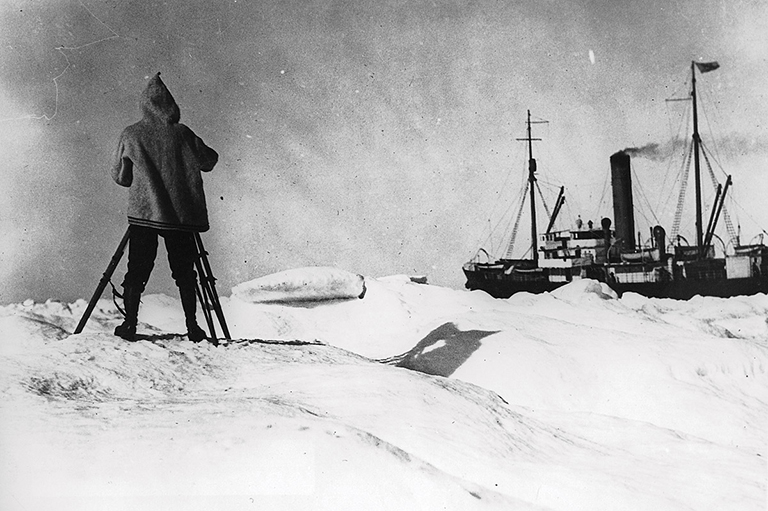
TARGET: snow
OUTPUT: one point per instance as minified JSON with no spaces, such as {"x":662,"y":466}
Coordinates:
{"x":302,"y":284}
{"x":414,"y":397}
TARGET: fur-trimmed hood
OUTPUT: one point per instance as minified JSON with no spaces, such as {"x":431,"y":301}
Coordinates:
{"x":157,"y":103}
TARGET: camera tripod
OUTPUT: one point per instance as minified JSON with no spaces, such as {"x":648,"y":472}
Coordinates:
{"x":206,"y":288}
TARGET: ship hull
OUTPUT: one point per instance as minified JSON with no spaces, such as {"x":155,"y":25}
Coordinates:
{"x":500,"y":285}
{"x":504,"y":288}
{"x":687,"y":289}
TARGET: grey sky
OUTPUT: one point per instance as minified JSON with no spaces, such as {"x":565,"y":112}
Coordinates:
{"x":372,"y":136}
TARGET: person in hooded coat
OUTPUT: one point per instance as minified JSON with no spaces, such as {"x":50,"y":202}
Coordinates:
{"x":161,"y":160}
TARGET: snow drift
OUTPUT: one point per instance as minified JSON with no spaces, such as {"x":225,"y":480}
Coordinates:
{"x":417,"y":397}
{"x":302,"y":284}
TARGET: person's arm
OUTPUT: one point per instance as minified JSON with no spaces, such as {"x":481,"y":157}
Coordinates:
{"x":122,"y":168}
{"x":208,"y":157}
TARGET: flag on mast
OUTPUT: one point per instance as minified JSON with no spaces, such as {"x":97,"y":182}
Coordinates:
{"x":706,"y":67}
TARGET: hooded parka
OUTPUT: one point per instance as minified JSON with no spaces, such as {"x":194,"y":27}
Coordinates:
{"x":161,"y":160}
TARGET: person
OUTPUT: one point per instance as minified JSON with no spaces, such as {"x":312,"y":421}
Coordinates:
{"x":160,"y":160}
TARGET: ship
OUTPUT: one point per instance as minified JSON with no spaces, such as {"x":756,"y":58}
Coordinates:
{"x":662,"y":267}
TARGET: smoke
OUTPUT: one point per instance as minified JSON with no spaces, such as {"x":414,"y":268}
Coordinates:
{"x":738,"y":144}
{"x":656,"y":151}
{"x":731,"y":145}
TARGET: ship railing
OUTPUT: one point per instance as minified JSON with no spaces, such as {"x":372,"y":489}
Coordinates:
{"x":641,"y":276}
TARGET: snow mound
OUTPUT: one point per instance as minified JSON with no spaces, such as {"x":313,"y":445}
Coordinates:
{"x":301,"y":285}
{"x":579,"y":289}
{"x":278,"y":424}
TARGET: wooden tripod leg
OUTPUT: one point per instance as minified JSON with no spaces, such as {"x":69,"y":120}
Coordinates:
{"x":104,"y":281}
{"x":203,"y":298}
{"x":208,"y":282}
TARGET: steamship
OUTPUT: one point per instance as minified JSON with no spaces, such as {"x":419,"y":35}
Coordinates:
{"x":664,"y":267}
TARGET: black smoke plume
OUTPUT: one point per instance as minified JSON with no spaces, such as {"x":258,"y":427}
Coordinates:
{"x":656,"y":151}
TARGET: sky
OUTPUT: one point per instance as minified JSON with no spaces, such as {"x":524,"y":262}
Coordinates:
{"x":374,"y":136}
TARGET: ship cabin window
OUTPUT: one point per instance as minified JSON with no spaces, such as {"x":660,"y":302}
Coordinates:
{"x":555,"y":236}
{"x":588,"y":235}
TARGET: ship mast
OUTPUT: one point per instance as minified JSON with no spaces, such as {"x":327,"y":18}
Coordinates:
{"x":532,"y":184}
{"x":696,"y":165}
{"x":531,"y":181}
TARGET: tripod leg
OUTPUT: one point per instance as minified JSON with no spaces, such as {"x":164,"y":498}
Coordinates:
{"x":209,"y":285}
{"x":103,"y":282}
{"x":202,"y":297}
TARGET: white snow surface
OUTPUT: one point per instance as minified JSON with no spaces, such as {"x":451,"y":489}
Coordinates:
{"x":414,"y":397}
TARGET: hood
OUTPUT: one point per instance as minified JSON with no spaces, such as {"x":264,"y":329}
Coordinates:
{"x":157,"y":102}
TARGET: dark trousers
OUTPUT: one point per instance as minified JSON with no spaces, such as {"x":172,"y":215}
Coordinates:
{"x":142,"y":250}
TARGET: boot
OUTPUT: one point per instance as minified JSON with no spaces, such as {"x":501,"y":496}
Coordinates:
{"x":131,"y":299}
{"x":189,"y":304}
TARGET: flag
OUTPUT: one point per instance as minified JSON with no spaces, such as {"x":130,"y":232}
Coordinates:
{"x":706,"y":67}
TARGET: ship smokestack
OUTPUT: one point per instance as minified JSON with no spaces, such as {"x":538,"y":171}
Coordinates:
{"x":660,"y":239}
{"x":623,"y":210}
